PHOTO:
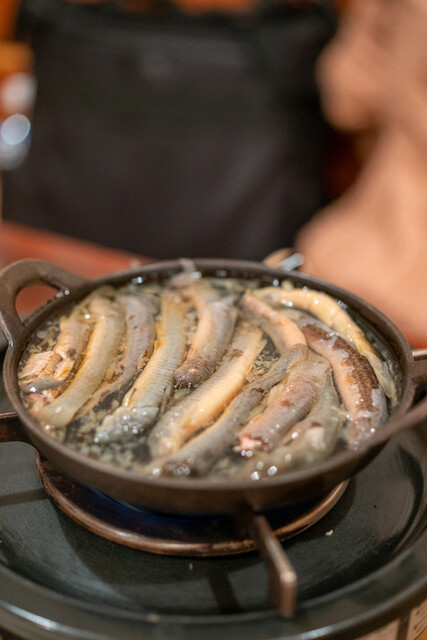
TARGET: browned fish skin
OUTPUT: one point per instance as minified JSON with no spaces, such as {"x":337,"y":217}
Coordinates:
{"x":216,"y":319}
{"x":356,"y":381}
{"x":139,"y":312}
{"x":141,"y":404}
{"x":329,"y":311}
{"x":282,"y":330}
{"x":206,"y":402}
{"x":311,"y":439}
{"x":200,"y":453}
{"x":51,"y":369}
{"x":288,"y":403}
{"x":266,"y":406}
{"x":103,"y":344}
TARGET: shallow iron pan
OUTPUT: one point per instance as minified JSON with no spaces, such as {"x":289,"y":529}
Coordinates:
{"x":195,"y":495}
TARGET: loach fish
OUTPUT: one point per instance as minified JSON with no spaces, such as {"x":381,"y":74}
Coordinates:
{"x":201,"y":452}
{"x":332,"y":314}
{"x":139,"y":312}
{"x":312,"y":439}
{"x":142,"y":402}
{"x":204,"y":404}
{"x":101,"y":348}
{"x":354,"y":376}
{"x":51,"y":369}
{"x":283,"y":331}
{"x":216,"y":319}
{"x":287,"y":403}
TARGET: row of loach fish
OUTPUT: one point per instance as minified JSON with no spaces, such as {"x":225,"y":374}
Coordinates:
{"x":206,"y":376}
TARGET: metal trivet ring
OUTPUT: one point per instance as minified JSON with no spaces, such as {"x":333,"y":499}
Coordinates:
{"x":172,"y":535}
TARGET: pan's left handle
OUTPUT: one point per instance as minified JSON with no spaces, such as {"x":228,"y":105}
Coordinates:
{"x":11,"y":429}
{"x":24,"y":273}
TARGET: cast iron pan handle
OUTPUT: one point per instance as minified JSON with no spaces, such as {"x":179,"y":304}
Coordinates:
{"x":418,"y":373}
{"x":22,"y":274}
{"x":419,"y":366}
{"x":286,"y":259}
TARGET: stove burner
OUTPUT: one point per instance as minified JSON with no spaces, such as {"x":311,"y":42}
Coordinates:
{"x":360,"y":568}
{"x":171,"y":535}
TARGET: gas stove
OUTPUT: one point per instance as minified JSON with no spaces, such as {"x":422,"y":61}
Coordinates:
{"x":76,"y":564}
{"x":361,"y":567}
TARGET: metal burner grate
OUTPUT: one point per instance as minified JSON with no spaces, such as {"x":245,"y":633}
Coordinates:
{"x":170,"y":535}
{"x":361,"y":567}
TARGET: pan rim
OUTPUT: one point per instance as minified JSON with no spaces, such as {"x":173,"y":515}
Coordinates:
{"x":203,"y":485}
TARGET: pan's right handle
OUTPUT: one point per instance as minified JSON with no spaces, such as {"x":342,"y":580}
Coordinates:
{"x":419,"y":366}
{"x":286,"y":259}
{"x":24,"y":273}
{"x":11,"y":429}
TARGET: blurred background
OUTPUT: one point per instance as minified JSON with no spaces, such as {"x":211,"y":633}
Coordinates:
{"x":135,"y":129}
{"x":195,"y":118}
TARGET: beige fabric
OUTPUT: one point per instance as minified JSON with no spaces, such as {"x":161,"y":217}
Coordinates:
{"x":350,"y":71}
{"x":373,"y":240}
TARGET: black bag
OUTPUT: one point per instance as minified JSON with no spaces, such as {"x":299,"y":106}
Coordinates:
{"x":170,"y":135}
